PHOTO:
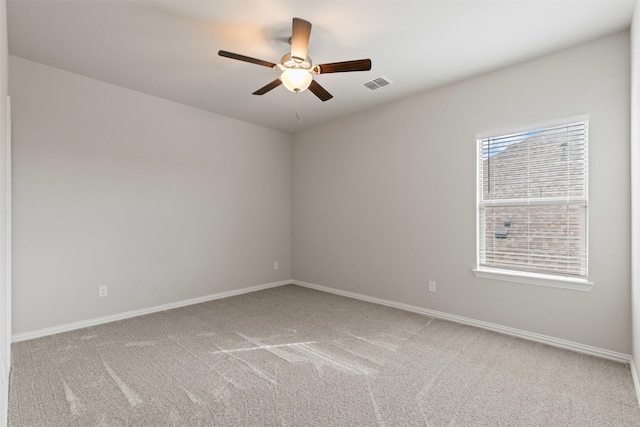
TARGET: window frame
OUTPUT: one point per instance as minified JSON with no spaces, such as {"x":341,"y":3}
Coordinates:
{"x":517,"y":276}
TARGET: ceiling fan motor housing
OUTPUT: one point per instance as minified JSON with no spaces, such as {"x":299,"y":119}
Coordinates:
{"x":288,"y":62}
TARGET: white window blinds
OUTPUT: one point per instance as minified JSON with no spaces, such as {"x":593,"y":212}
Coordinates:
{"x":533,"y":212}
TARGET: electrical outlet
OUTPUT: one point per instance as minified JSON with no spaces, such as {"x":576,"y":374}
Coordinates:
{"x":102,"y":291}
{"x":275,"y":265}
{"x":432,"y":286}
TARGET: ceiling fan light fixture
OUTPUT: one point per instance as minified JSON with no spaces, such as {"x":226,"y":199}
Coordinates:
{"x":296,"y":68}
{"x":296,"y":79}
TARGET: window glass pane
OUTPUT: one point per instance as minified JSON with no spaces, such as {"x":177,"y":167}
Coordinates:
{"x":537,"y":164}
{"x":539,"y":239}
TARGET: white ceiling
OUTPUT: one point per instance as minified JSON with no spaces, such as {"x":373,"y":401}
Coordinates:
{"x":169,"y":48}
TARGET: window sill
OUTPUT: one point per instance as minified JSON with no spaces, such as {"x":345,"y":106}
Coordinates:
{"x":534,"y":279}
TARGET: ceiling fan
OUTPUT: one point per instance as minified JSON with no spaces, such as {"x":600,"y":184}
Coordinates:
{"x":297,"y":68}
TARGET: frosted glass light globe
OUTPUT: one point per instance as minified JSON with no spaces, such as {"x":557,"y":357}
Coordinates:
{"x":296,"y":80}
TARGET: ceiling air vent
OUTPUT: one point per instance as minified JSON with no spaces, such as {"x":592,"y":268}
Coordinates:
{"x":377,"y":83}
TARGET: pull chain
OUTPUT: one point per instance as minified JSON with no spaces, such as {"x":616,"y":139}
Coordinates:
{"x":298,"y":104}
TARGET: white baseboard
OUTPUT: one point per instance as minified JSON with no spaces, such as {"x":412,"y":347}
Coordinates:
{"x":128,"y":314}
{"x":531,"y":336}
{"x":545,"y":339}
{"x":636,"y":381}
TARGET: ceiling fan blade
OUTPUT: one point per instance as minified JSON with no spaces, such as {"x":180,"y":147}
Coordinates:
{"x":300,"y":39}
{"x":274,"y":84}
{"x":246,"y":59}
{"x":343,"y":67}
{"x":319,"y":91}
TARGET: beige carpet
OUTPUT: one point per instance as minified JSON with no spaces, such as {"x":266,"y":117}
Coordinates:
{"x":291,"y":356}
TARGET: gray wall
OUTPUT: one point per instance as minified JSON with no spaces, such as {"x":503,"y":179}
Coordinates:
{"x":159,"y":201}
{"x":386,"y":200}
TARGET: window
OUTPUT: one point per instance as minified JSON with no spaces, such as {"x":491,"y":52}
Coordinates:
{"x":533,"y":205}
